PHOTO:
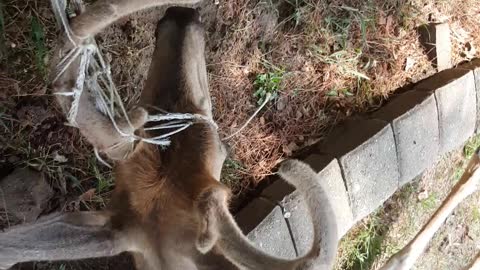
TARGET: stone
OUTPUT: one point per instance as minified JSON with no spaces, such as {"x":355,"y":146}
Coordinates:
{"x":414,"y":119}
{"x":367,"y":156}
{"x":296,"y":211}
{"x":271,"y":235}
{"x":24,"y":194}
{"x":456,"y":104}
{"x":437,"y":43}
{"x":349,"y":135}
{"x":474,"y":65}
{"x":253,"y":213}
{"x":300,"y":222}
{"x":331,"y":175}
{"x":294,"y":205}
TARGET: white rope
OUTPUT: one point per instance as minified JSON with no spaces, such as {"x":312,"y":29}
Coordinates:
{"x":94,"y":76}
{"x":60,"y":8}
{"x":267,"y":99}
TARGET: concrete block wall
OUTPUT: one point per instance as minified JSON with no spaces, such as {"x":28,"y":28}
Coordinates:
{"x":366,"y":159}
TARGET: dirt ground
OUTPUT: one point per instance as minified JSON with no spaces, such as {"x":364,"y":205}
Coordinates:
{"x":378,"y":237}
{"x":323,"y":60}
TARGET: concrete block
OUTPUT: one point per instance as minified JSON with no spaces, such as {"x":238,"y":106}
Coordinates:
{"x":25,"y":194}
{"x":298,"y":217}
{"x":368,"y":159}
{"x":414,"y":119}
{"x":330,"y":174}
{"x":436,"y":40}
{"x":297,"y":213}
{"x":456,"y":104}
{"x":474,"y":65}
{"x":251,"y":215}
{"x":349,"y":135}
{"x":278,"y":190}
{"x":332,"y":181}
{"x":271,"y":234}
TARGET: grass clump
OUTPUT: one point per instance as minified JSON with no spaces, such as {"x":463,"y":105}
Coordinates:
{"x":471,"y":146}
{"x":2,"y":33}
{"x":430,"y":203}
{"x":232,"y":174}
{"x":267,"y":83}
{"x":361,"y":249}
{"x":39,"y":47}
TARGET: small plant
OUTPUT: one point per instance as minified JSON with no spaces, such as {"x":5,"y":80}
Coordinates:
{"x":362,"y":250}
{"x":471,"y":146}
{"x":230,"y":172}
{"x":38,"y":40}
{"x":267,"y":83}
{"x":104,"y":179}
{"x":458,"y":173}
{"x":430,"y":202}
{"x":2,"y":33}
{"x":475,"y":214}
{"x":340,"y":92}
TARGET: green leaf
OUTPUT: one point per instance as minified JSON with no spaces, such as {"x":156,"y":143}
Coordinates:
{"x":38,"y":40}
{"x":332,"y":93}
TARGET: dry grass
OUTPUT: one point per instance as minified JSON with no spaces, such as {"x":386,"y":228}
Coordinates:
{"x":325,"y":51}
{"x":374,"y":240}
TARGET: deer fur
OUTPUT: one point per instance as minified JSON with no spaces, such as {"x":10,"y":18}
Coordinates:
{"x":168,"y":207}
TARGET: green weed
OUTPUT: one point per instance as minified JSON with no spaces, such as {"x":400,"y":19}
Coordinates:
{"x":430,"y":202}
{"x":458,"y":173}
{"x":365,"y":246}
{"x":104,"y":179}
{"x":471,"y":146}
{"x":267,"y":83}
{"x":38,"y":41}
{"x":475,"y":214}
{"x":340,"y":27}
{"x":340,"y":92}
{"x":230,"y":172}
{"x":2,"y":33}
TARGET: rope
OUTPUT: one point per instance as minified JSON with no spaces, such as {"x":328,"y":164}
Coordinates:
{"x":94,"y":76}
{"x":267,"y":99}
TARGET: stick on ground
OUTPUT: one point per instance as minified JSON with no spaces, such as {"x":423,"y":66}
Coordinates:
{"x":468,"y":184}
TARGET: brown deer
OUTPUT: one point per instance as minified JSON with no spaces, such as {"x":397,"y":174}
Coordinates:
{"x":168,"y":207}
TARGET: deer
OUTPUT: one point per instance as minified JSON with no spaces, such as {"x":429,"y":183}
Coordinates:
{"x":168,"y":207}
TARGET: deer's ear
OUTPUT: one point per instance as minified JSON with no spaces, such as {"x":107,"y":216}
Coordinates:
{"x":68,"y":236}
